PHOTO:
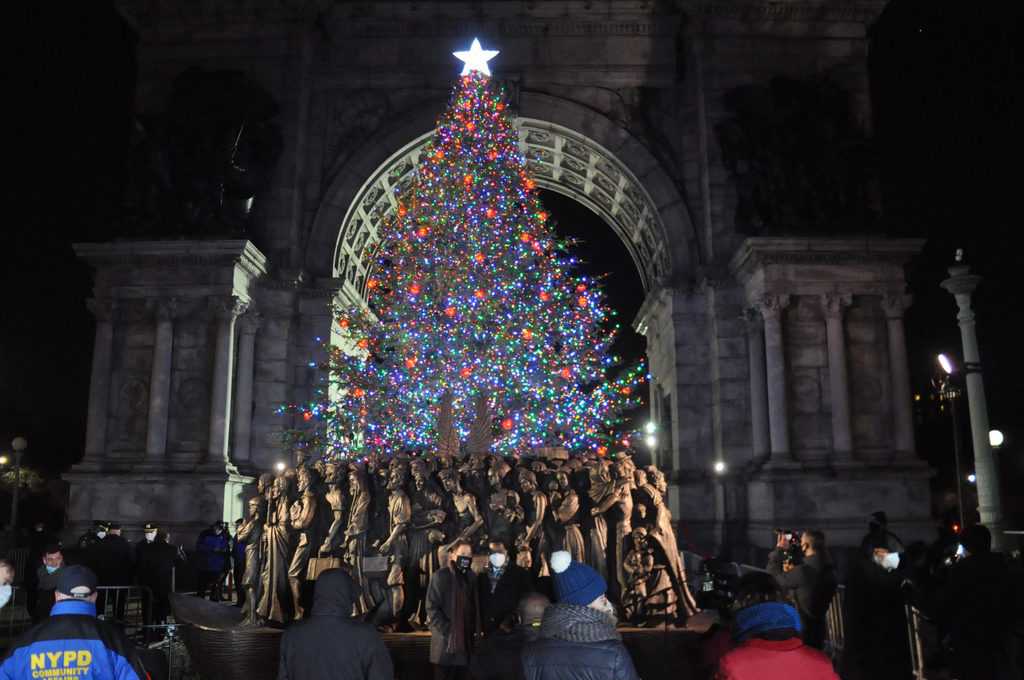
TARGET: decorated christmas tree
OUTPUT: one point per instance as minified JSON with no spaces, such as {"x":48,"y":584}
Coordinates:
{"x":480,"y":329}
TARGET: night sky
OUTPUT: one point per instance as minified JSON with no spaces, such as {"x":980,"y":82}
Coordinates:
{"x":946,"y":87}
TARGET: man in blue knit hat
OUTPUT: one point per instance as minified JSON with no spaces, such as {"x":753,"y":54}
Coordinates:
{"x":578,"y":639}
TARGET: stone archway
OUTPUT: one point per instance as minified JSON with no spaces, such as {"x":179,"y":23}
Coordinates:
{"x":558,"y":158}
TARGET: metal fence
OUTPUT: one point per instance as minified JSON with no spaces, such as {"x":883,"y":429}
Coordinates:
{"x":835,"y":626}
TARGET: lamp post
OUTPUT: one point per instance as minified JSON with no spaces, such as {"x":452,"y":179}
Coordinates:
{"x":19,"y":445}
{"x":950,"y":393}
{"x":961,"y":284}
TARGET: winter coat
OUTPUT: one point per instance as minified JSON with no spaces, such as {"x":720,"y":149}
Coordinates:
{"x":439,"y":615}
{"x":154,"y":565}
{"x":330,"y":644}
{"x":500,"y":655}
{"x":978,"y":607}
{"x":761,"y":659}
{"x":72,"y":643}
{"x":577,"y":643}
{"x":811,"y":585}
{"x":497,"y":607}
{"x":119,"y":559}
{"x":876,"y":629}
{"x":212,"y":552}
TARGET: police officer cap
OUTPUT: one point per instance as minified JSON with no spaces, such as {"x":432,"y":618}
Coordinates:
{"x":76,"y":581}
{"x":101,"y":525}
{"x":150,"y":526}
{"x":114,"y":525}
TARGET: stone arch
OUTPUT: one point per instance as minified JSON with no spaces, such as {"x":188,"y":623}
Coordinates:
{"x":569,"y":148}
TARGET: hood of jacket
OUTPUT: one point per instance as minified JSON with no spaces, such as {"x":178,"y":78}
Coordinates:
{"x":333,"y":595}
{"x":577,"y":623}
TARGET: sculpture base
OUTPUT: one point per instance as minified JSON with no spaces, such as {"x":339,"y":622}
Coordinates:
{"x":182,"y":503}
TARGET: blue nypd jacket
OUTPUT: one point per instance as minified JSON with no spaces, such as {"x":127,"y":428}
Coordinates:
{"x":72,"y":643}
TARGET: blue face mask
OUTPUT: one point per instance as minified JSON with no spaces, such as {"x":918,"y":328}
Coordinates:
{"x":50,"y":570}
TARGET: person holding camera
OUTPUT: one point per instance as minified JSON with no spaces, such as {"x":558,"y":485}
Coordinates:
{"x":810,"y":583}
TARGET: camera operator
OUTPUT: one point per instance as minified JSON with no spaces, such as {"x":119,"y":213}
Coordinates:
{"x":810,"y":584}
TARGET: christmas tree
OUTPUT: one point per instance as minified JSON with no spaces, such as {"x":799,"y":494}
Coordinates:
{"x":478,"y":318}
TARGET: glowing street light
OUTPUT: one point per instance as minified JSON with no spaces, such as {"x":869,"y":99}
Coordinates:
{"x":972,"y":478}
{"x":651,"y":427}
{"x":280,"y":466}
{"x":995,"y":438}
{"x":947,"y":364}
{"x":651,"y":441}
{"x":719,"y":467}
{"x":4,"y":460}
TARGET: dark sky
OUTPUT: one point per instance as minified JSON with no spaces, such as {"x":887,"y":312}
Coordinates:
{"x":945,"y":79}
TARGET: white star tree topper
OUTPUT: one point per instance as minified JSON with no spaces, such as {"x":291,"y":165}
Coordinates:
{"x":476,"y":58}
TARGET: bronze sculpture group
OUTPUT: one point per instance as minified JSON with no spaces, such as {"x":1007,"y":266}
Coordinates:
{"x":389,"y":521}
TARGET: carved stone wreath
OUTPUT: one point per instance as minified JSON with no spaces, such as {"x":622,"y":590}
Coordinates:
{"x":557,"y":159}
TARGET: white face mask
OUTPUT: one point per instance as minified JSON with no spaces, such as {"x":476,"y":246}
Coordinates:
{"x":498,"y":560}
{"x":101,"y":535}
{"x":891,"y":561}
{"x":5,"y":595}
{"x":150,"y":536}
{"x":605,"y":606}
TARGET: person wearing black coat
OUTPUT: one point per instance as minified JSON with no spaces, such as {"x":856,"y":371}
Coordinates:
{"x":501,"y":586}
{"x":155,"y":560}
{"x":500,"y":655}
{"x":453,"y":614}
{"x":978,"y":606}
{"x":809,"y":585}
{"x":331,"y":644}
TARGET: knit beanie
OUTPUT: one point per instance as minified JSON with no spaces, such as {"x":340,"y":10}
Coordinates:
{"x":575,"y":582}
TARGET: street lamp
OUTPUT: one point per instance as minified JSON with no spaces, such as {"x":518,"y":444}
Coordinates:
{"x":19,"y":445}
{"x":719,"y":467}
{"x":950,"y":393}
{"x":280,"y":466}
{"x":961,"y":285}
{"x":995,"y":438}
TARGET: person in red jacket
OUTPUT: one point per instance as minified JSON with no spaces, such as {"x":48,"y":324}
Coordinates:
{"x":766,"y":631}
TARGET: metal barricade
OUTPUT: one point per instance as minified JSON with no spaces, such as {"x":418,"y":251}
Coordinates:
{"x":15,"y":618}
{"x":835,"y":626}
{"x":172,"y":651}
{"x":124,"y":605}
{"x":914,"y":621}
{"x":19,"y":558}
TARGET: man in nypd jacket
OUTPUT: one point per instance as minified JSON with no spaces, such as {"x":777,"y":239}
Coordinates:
{"x":73,"y":643}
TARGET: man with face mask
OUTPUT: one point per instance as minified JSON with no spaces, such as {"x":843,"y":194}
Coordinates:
{"x":809,"y":585}
{"x":452,"y":614}
{"x":46,"y":578}
{"x":154,"y":569}
{"x":501,"y":587}
{"x":578,"y":639}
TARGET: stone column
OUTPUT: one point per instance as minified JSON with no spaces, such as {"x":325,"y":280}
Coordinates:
{"x":242,"y":424}
{"x":160,"y":381}
{"x":894,"y":304}
{"x":961,"y":284}
{"x":225,"y":311}
{"x":99,"y":380}
{"x":834,"y":305}
{"x":761,"y":442}
{"x":771,"y":308}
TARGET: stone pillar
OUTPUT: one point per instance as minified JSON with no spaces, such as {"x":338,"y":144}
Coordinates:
{"x":771,"y":308}
{"x":99,"y":380}
{"x":225,"y":311}
{"x":761,"y":442}
{"x":242,"y":424}
{"x":834,"y":305}
{"x":894,"y":304}
{"x":160,"y":381}
{"x":961,"y":285}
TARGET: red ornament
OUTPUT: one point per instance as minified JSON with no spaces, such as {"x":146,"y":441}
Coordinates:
{"x":402,"y":210}
{"x":410,"y":362}
{"x":358,"y":392}
{"x":626,"y":391}
{"x":343,"y":323}
{"x":372,"y":284}
{"x":479,"y":257}
{"x":480,"y":294}
{"x":450,"y":312}
{"x":363,"y":344}
{"x":507,"y":424}
{"x":467,"y":180}
{"x":422,"y":232}
{"x":307,"y":416}
{"x":580,"y":288}
{"x":530,"y":184}
{"x":544,"y":296}
{"x":581,"y":301}
{"x":492,"y":213}
{"x":466,"y":372}
{"x":470,"y":126}
{"x":414,"y":289}
{"x":543,"y":216}
{"x":602,"y":451}
{"x":527,"y":334}
{"x":524,"y":237}
{"x":566,"y":373}
{"x":493,"y":155}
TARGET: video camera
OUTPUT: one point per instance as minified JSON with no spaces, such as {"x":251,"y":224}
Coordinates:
{"x":717,"y":585}
{"x":792,"y":552}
